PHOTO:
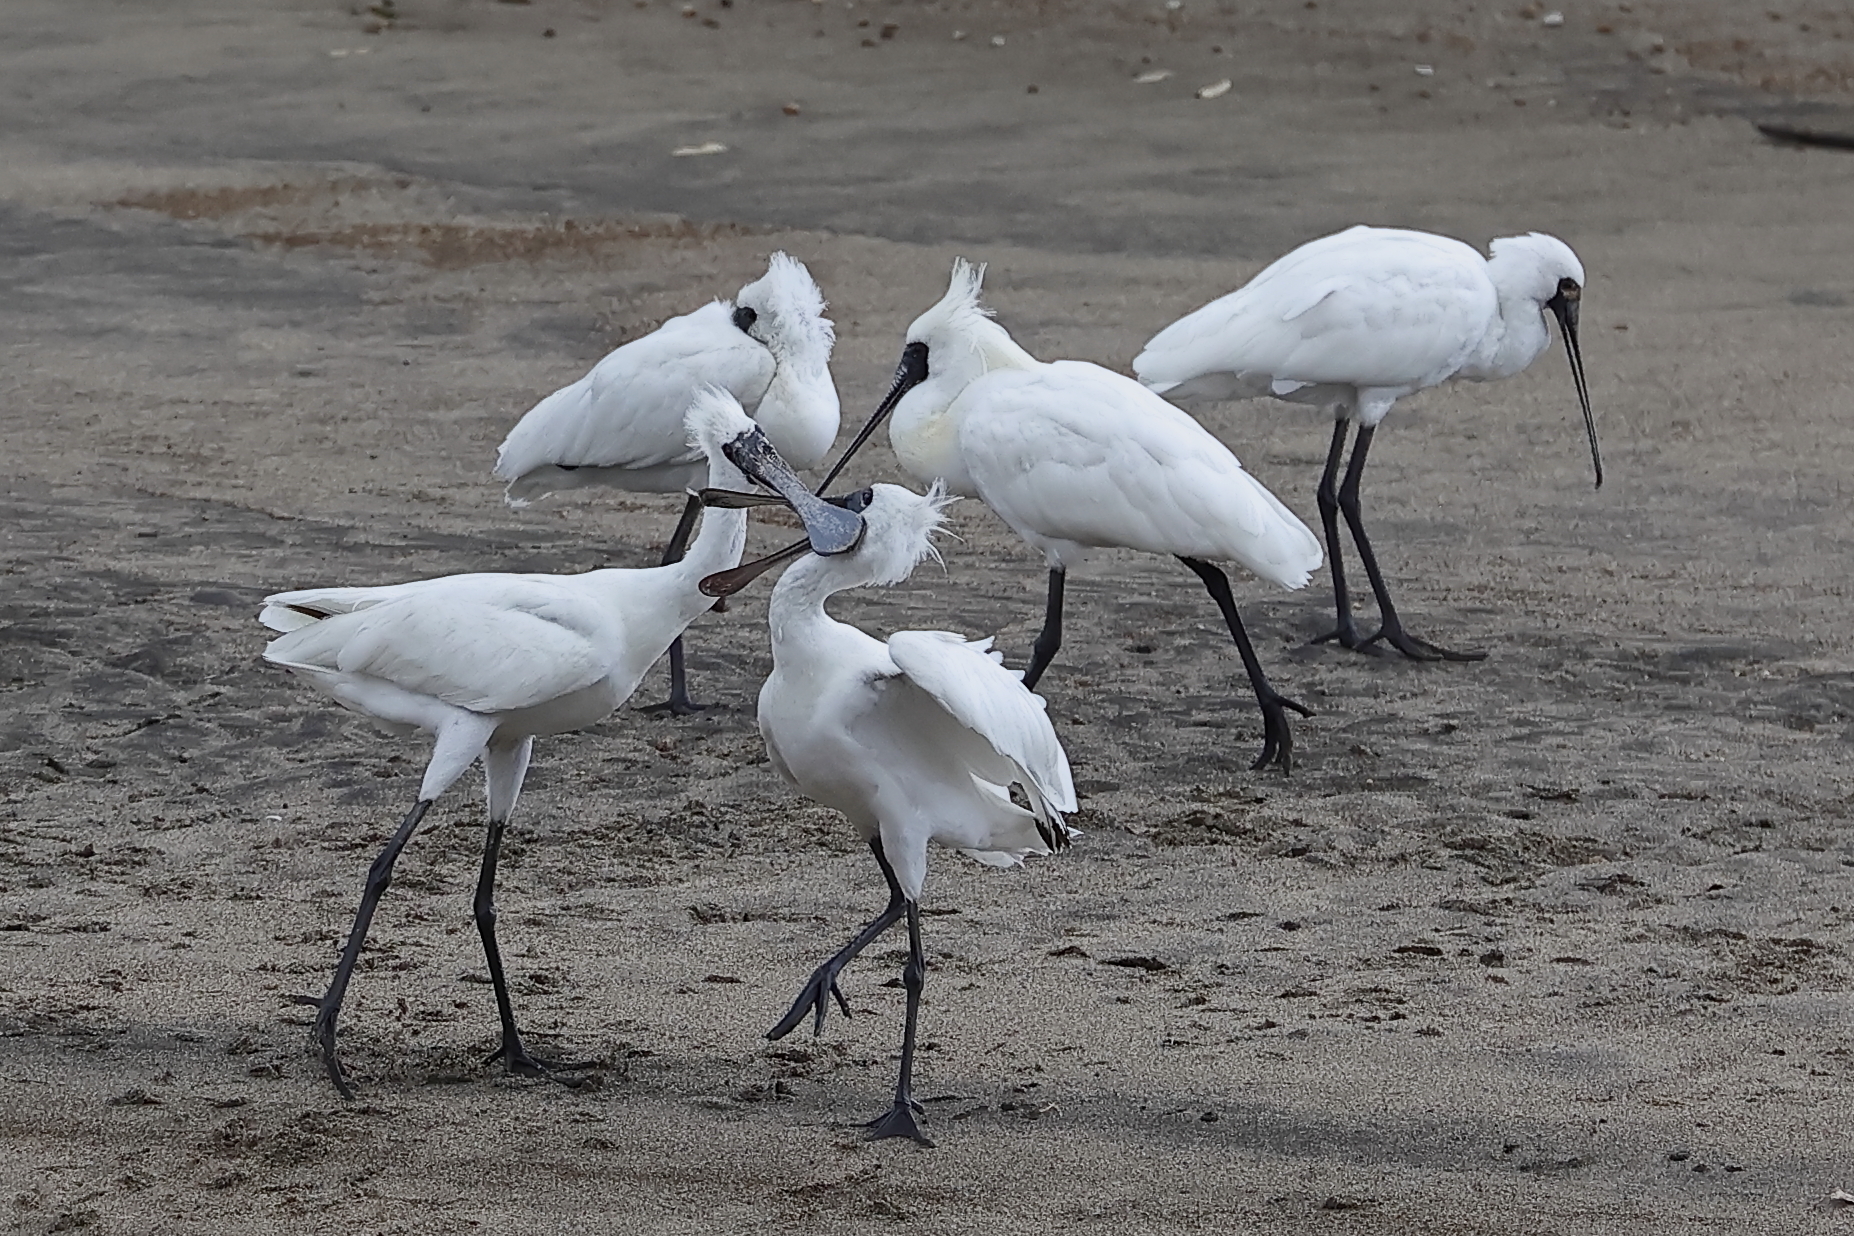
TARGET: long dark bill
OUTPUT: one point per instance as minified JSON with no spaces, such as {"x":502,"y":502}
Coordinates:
{"x":727,"y":583}
{"x":735,"y":500}
{"x":829,"y":529}
{"x":909,"y":374}
{"x":1564,"y":306}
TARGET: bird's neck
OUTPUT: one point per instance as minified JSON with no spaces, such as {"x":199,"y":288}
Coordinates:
{"x":1519,"y":334}
{"x":797,"y":606}
{"x":800,"y":412}
{"x":720,"y":542}
{"x":925,"y":428}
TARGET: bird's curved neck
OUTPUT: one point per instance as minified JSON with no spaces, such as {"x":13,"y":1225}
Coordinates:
{"x":798,"y":598}
{"x":1517,"y":336}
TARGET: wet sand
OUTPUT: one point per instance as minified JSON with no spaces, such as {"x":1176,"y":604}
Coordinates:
{"x":1557,"y":942}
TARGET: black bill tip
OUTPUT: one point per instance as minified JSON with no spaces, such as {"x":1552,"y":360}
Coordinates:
{"x":727,"y":583}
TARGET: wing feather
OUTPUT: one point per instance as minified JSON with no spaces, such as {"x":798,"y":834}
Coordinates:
{"x":991,"y":702}
{"x":627,"y":412}
{"x":483,"y":656}
{"x":1074,"y":452}
{"x":1367,"y":307}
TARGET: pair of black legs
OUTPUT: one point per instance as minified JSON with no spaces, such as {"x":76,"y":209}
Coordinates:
{"x":821,"y":989}
{"x":514,"y":1056}
{"x":1277,"y":738}
{"x":679,"y":704}
{"x":1344,"y":499}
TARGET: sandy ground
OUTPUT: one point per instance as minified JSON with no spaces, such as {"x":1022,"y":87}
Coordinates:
{"x":1559,"y":942}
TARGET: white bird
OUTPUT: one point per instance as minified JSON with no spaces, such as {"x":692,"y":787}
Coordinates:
{"x":1355,"y":322}
{"x":621,"y":427}
{"x":916,"y":740}
{"x":1076,"y":457}
{"x":485,"y":663}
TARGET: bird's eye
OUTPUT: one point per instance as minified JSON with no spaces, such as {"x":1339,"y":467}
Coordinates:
{"x":745,"y":317}
{"x":1569,"y":289}
{"x":860,"y":500}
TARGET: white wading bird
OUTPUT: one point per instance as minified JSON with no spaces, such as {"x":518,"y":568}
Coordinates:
{"x":915,"y":740}
{"x":620,"y":426}
{"x":1355,"y":322}
{"x":486,"y":662}
{"x":1073,"y":456}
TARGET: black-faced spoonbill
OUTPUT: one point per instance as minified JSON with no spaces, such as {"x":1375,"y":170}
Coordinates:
{"x":1355,"y":322}
{"x":621,"y":427}
{"x":916,"y":740}
{"x":1076,"y":457}
{"x":487,"y":662}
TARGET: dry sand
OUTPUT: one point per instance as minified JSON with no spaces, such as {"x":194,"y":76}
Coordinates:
{"x":1558,"y":942}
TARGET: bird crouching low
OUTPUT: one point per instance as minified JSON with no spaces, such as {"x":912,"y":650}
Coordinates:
{"x":487,"y":662}
{"x":920,"y":739}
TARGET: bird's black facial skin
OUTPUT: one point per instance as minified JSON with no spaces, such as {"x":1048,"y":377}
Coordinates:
{"x":744,"y":318}
{"x":829,"y":529}
{"x":909,"y":374}
{"x":1564,"y":306}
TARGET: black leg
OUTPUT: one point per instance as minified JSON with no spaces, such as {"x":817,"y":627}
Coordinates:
{"x":899,"y":1120}
{"x":1277,"y":739}
{"x":822,"y":985}
{"x":1346,"y":631}
{"x":1049,"y":640}
{"x":679,"y":704}
{"x":1390,"y":628}
{"x":512,"y":1053}
{"x":379,"y":876}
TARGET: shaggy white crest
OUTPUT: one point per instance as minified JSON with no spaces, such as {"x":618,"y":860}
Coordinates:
{"x":791,"y":319}
{"x":1536,"y":262}
{"x":900,"y":526}
{"x":958,"y":327}
{"x":956,"y":313}
{"x":714,"y":419}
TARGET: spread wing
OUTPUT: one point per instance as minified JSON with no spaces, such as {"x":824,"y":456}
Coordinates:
{"x":627,"y":412}
{"x":992,"y":703}
{"x":1073,"y":452}
{"x":525,"y":648}
{"x":1368,"y":306}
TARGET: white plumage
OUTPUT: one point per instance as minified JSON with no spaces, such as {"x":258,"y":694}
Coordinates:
{"x":1356,"y":321}
{"x":621,"y":425}
{"x":487,"y":662}
{"x":916,"y":740}
{"x":1075,"y":457}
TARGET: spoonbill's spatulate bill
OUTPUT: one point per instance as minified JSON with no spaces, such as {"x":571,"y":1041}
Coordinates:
{"x":916,"y":740}
{"x":485,"y":663}
{"x":1355,"y":322}
{"x":1076,"y":457}
{"x":621,"y":427}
